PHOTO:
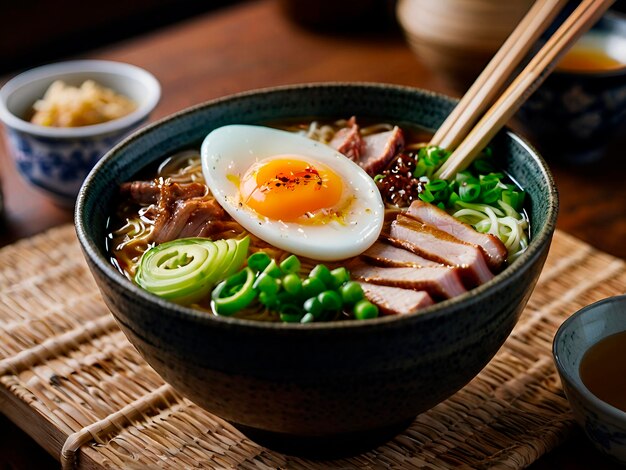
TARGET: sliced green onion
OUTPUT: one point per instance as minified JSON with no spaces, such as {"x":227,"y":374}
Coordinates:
{"x":259,"y":261}
{"x":235,"y":293}
{"x":436,"y":185}
{"x":515,"y":199}
{"x":489,"y":181}
{"x":463,"y":176}
{"x":428,"y":160}
{"x":426,"y":195}
{"x":469,"y":192}
{"x":420,"y":168}
{"x":454,"y":197}
{"x":490,"y":196}
{"x":483,"y":165}
{"x":273,"y":270}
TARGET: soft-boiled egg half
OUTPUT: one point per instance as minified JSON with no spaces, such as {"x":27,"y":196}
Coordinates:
{"x":293,"y":192}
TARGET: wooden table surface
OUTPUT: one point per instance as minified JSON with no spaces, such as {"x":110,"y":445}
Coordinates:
{"x":252,"y":45}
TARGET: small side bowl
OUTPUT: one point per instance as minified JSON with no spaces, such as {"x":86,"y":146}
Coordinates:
{"x":575,"y":115}
{"x":457,"y":38}
{"x":56,"y":160}
{"x":604,"y":424}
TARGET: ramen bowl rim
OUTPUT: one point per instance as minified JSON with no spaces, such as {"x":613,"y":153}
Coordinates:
{"x":443,"y":308}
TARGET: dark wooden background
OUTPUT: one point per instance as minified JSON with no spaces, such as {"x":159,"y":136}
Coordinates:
{"x":251,"y":45}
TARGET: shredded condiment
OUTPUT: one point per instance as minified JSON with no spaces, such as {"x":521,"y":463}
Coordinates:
{"x":69,"y":106}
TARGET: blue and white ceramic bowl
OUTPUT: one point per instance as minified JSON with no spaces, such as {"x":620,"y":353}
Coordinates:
{"x":604,"y":424}
{"x":57,"y":160}
{"x":574,"y":115}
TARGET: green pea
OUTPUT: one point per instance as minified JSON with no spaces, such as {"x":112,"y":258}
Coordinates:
{"x":312,"y":286}
{"x":340,"y":276}
{"x":314,"y":307}
{"x":290,"y":313}
{"x":307,"y":318}
{"x":322,"y":273}
{"x":266,"y":283}
{"x":269,"y":300}
{"x":351,"y":292}
{"x":365,"y":310}
{"x":292,"y":284}
{"x":273,"y":270}
{"x":285,"y":298}
{"x":330,"y":300}
{"x":291,"y":318}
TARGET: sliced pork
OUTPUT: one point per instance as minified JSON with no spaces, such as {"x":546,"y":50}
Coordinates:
{"x":348,"y":140}
{"x":149,"y":192}
{"x":439,"y":282}
{"x":383,"y":254}
{"x":379,"y":149}
{"x":494,"y":250}
{"x":188,"y":218}
{"x":439,"y":246}
{"x":396,"y":301}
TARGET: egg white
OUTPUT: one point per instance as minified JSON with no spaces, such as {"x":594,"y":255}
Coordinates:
{"x":228,"y":152}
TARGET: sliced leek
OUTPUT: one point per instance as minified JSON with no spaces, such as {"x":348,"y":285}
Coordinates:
{"x":185,"y":270}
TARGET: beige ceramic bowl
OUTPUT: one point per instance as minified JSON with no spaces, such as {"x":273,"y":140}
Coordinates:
{"x":456,"y":38}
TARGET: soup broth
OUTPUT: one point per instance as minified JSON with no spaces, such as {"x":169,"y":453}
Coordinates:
{"x":603,"y":370}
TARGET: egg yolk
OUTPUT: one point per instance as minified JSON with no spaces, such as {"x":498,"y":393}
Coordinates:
{"x":288,"y":188}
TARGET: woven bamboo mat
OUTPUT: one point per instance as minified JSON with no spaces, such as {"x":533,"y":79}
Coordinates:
{"x":71,"y":379}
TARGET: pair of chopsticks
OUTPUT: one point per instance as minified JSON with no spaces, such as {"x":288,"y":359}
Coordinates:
{"x":461,"y":132}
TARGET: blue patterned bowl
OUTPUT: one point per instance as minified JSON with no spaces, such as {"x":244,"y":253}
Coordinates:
{"x":573,"y":116}
{"x":323,"y":383}
{"x":57,"y":160}
{"x":604,"y":424}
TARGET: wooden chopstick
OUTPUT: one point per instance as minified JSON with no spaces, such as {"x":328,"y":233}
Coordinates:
{"x":583,"y":17}
{"x":490,"y":82}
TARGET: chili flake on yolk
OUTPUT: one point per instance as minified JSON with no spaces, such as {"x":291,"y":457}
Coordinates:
{"x":289,"y":188}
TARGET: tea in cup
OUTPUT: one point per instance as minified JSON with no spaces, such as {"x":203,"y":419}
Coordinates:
{"x":581,"y":107}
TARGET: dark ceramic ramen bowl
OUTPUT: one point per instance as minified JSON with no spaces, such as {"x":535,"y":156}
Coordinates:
{"x":322,"y":380}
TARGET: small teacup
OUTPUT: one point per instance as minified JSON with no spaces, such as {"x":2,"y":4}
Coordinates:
{"x":56,"y":160}
{"x":575,"y":114}
{"x":604,"y":425}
